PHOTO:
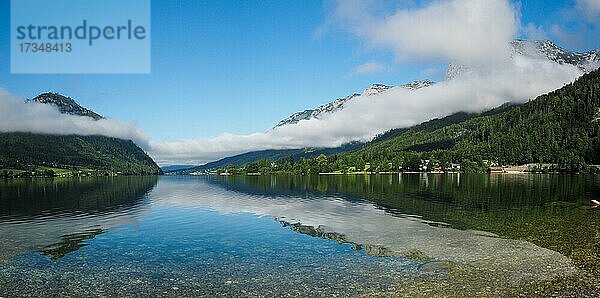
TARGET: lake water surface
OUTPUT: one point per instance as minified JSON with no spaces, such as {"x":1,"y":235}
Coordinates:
{"x":378,"y":235}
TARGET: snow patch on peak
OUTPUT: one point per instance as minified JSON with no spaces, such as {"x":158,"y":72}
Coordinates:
{"x":376,"y":89}
{"x":339,"y":103}
{"x":417,"y":84}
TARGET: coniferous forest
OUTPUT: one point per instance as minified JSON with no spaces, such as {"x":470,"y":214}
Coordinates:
{"x":26,"y":154}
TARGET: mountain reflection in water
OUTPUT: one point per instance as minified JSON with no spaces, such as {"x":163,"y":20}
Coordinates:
{"x":410,"y":235}
{"x":303,"y":203}
{"x":56,"y":216}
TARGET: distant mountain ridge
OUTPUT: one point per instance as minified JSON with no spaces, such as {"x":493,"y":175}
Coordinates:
{"x":65,"y":105}
{"x":339,"y":103}
{"x":172,"y":168}
{"x":273,"y":154}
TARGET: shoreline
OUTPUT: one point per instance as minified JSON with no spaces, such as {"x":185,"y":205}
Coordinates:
{"x":385,"y":173}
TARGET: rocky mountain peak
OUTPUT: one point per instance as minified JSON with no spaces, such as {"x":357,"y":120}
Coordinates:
{"x":417,"y":84}
{"x":376,"y":89}
{"x":339,"y":103}
{"x":65,"y":105}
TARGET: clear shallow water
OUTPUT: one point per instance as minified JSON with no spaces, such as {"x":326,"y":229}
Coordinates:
{"x":379,"y":235}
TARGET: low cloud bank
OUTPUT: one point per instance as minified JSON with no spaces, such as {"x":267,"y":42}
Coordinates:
{"x":590,"y":8}
{"x":16,"y":115}
{"x":365,"y":116}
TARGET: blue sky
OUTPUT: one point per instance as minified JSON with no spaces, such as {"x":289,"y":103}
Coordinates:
{"x":241,"y":66}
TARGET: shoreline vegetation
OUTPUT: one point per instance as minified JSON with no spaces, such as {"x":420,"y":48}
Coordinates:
{"x":503,"y":171}
{"x":50,"y":172}
{"x":321,"y":166}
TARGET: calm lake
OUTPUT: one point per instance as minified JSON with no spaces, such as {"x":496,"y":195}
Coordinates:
{"x":365,"y":235}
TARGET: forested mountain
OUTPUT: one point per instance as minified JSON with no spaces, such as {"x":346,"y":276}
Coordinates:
{"x":561,"y":128}
{"x":25,"y":153}
{"x":98,"y":153}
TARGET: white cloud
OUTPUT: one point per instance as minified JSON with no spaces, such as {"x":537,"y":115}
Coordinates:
{"x":431,"y":72}
{"x":534,"y":32}
{"x":365,"y":223}
{"x":590,"y":8}
{"x":18,"y":116}
{"x":368,"y":68}
{"x":466,"y":31}
{"x":577,"y":25}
